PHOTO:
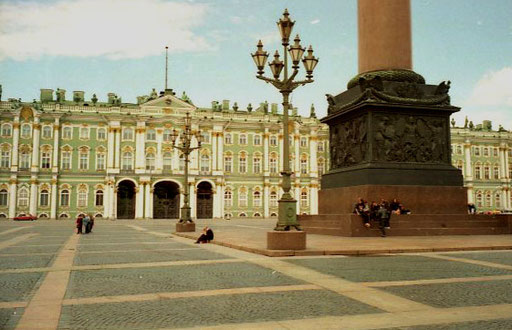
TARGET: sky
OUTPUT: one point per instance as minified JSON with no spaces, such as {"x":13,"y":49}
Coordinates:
{"x":102,"y":46}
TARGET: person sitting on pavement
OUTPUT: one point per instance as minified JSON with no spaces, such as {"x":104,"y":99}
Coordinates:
{"x":206,"y":236}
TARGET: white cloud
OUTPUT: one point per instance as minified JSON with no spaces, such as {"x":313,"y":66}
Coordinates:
{"x":315,"y":21}
{"x":112,"y":28}
{"x":268,"y":39}
{"x":493,"y":89}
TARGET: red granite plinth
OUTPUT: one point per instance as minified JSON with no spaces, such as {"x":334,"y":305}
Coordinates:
{"x":286,"y":240}
{"x":418,"y":199}
{"x":182,"y":227}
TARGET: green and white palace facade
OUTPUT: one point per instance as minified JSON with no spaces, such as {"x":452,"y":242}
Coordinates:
{"x":61,"y":158}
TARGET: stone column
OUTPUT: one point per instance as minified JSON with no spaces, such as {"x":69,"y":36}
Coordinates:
{"x":106,"y":201}
{"x":266,"y":199}
{"x":266,"y":135}
{"x":216,"y":204}
{"x":12,"y":197}
{"x":114,"y":201}
{"x":159,"y":164}
{"x":503,"y":156}
{"x":111,"y":149}
{"x":150,"y":202}
{"x":53,"y":211}
{"x":147,"y":205}
{"x":313,"y":150}
{"x":15,"y":143}
{"x":280,"y":140}
{"x":140,"y":156}
{"x":214,"y":154}
{"x":139,"y":201}
{"x":117,"y":147}
{"x":193,"y":200}
{"x":507,"y":165}
{"x":297,"y":195}
{"x":384,"y":35}
{"x":296,"y":141}
{"x":220,"y":153}
{"x":468,"y":175}
{"x":56,"y":133}
{"x":35,"y":145}
{"x":313,"y":197}
{"x":220,"y":199}
{"x":33,"y":196}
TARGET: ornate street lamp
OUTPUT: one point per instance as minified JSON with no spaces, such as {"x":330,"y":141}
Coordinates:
{"x":186,"y":223}
{"x":287,"y":205}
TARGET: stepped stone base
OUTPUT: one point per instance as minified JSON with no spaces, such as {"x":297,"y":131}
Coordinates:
{"x":286,"y":240}
{"x":408,"y":225}
{"x":185,"y":227}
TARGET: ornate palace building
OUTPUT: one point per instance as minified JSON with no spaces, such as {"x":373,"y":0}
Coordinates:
{"x":484,"y":156}
{"x":60,"y":158}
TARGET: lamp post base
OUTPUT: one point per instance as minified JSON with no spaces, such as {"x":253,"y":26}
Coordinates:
{"x":287,"y":216}
{"x":286,"y":240}
{"x":182,"y":227}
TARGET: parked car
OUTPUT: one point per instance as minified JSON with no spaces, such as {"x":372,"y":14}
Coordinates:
{"x":25,"y":217}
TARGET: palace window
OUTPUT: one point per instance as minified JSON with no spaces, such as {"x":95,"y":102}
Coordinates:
{"x":242,"y":197}
{"x":6,"y":130}
{"x":242,"y":139}
{"x":205,"y":137}
{"x":46,"y":159}
{"x":227,"y":139}
{"x":487,"y":174}
{"x":303,"y":142}
{"x":205,"y":163}
{"x":228,"y":198}
{"x":101,"y":134}
{"x":273,"y":199}
{"x":459,"y":150}
{"x":479,"y":199}
{"x":3,"y":197}
{"x":303,"y":166}
{"x":273,"y":141}
{"x":66,"y":160}
{"x":44,"y":198}
{"x":495,"y":152}
{"x":321,"y":167}
{"x":273,"y":164}
{"x":477,"y":151}
{"x":478,"y":172}
{"x":256,"y":199}
{"x":5,"y":159}
{"x":23,"y":197}
{"x":510,"y":171}
{"x":150,"y":161}
{"x":242,"y":163}
{"x":488,"y":201}
{"x":127,"y":161}
{"x":151,"y":135}
{"x":24,"y":161}
{"x":486,"y":151}
{"x":256,"y":165}
{"x":257,"y":140}
{"x":64,"y":197}
{"x":26,"y":131}
{"x":167,"y":135}
{"x":82,"y":198}
{"x":99,"y":198}
{"x":304,"y":200}
{"x":228,"y":163}
{"x":67,"y":132}
{"x":497,"y":200}
{"x":84,"y":161}
{"x":167,"y":161}
{"x":100,"y":161}
{"x":84,"y":133}
{"x":47,"y":132}
{"x":127,"y":134}
{"x":496,"y":172}
{"x":320,"y":146}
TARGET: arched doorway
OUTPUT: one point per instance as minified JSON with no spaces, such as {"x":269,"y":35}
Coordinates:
{"x":166,"y":201}
{"x":126,"y":200}
{"x":204,"y":200}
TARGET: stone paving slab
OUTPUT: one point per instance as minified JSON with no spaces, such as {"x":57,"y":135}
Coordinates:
{"x":9,"y":317}
{"x":10,"y":262}
{"x":17,"y":287}
{"x":502,"y":257}
{"x":457,"y":294}
{"x":395,"y":268}
{"x":20,"y":249}
{"x":111,"y":282}
{"x":130,"y":246}
{"x":475,"y":325}
{"x":210,"y":310}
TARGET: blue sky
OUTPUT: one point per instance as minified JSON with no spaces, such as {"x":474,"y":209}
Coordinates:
{"x":102,"y":46}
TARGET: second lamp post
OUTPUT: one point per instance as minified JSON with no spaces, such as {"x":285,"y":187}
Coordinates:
{"x":287,"y":216}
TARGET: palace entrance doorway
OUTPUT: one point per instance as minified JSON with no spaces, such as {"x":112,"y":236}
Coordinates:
{"x":126,"y":200}
{"x":204,"y":200}
{"x":166,"y":200}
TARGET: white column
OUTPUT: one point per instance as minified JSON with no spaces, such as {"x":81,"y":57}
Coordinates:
{"x":33,"y":196}
{"x":35,"y":145}
{"x":468,"y":175}
{"x":503,"y":169}
{"x":150,"y":202}
{"x":313,"y":150}
{"x":12,"y":197}
{"x":56,"y":133}
{"x":139,"y":148}
{"x":147,"y":193}
{"x":53,"y":211}
{"x":106,"y":201}
{"x":281,"y":151}
{"x":508,"y":202}
{"x":220,"y":199}
{"x":15,"y":143}
{"x":220,"y":153}
{"x":266,"y":200}
{"x":216,"y":204}
{"x":214,"y":153}
{"x":192,"y":200}
{"x":507,"y":173}
{"x":296,"y":141}
{"x":159,"y":163}
{"x":117,"y":147}
{"x":297,"y":195}
{"x":113,"y":202}
{"x":265,"y":154}
{"x":313,"y":198}
{"x":139,"y":201}
{"x":111,"y":150}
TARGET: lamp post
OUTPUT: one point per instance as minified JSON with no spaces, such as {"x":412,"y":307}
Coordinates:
{"x":186,"y":223}
{"x":287,"y":205}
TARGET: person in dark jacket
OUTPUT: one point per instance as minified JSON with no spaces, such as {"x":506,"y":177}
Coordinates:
{"x":79,"y":224}
{"x":384,"y":215}
{"x":206,"y":236}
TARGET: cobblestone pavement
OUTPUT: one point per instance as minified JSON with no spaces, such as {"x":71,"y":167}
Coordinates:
{"x":137,"y":275}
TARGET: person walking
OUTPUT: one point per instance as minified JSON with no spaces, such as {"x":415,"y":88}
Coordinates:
{"x":383,"y":215}
{"x":79,"y":224}
{"x":87,"y":224}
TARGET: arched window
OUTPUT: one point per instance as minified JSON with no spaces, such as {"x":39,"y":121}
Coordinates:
{"x":64,"y":197}
{"x":497,"y":200}
{"x":23,"y":197}
{"x":151,"y":135}
{"x":273,"y":163}
{"x":46,"y":159}
{"x":84,"y":133}
{"x":479,"y":199}
{"x":303,"y":142}
{"x":256,"y":164}
{"x":150,"y":161}
{"x":3,"y":197}
{"x":256,"y":215}
{"x":256,"y":198}
{"x":228,"y":198}
{"x":487,"y":174}
{"x":242,"y":163}
{"x":205,"y":163}
{"x":228,"y":163}
{"x":257,"y":140}
{"x":496,"y":172}
{"x":67,"y":132}
{"x":242,"y":197}
{"x":101,"y":134}
{"x":47,"y":132}
{"x":168,"y":161}
{"x":242,"y":215}
{"x":128,"y":133}
{"x":486,"y":151}
{"x":99,"y":198}
{"x":242,"y":139}
{"x":273,"y":140}
{"x":82,"y":198}
{"x":321,"y":167}
{"x":66,"y":160}
{"x":304,"y":166}
{"x":227,"y":138}
{"x":488,"y":199}
{"x":5,"y":159}
{"x":63,"y":216}
{"x":26,"y":130}
{"x":273,"y":214}
{"x":84,"y":160}
{"x":205,"y":137}
{"x":100,"y":161}
{"x":478,"y":172}
{"x":459,"y":150}
{"x":320,"y":146}
{"x":44,"y":198}
{"x":273,"y":199}
{"x":167,"y":135}
{"x":6,"y":130}
{"x":304,"y":198}
{"x":127,"y":161}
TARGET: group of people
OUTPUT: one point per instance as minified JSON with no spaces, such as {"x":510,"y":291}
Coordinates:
{"x":378,"y":212}
{"x":84,"y":223}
